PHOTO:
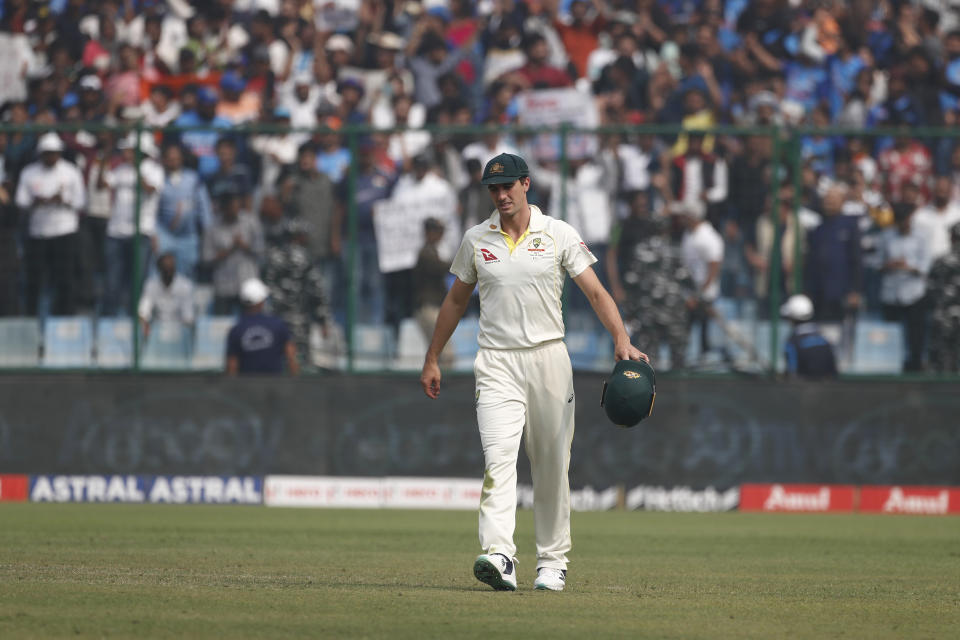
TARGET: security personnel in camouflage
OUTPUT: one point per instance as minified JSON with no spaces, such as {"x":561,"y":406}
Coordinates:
{"x":943,"y":288}
{"x":656,"y":288}
{"x":296,"y":285}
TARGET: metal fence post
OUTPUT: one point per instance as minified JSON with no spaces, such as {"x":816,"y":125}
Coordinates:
{"x":774,"y":276}
{"x":137,"y":249}
{"x":352,"y":284}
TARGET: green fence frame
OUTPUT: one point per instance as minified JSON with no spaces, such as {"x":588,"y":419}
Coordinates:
{"x":786,"y":155}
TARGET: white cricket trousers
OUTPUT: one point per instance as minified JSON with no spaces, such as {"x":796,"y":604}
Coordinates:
{"x":526,"y":393}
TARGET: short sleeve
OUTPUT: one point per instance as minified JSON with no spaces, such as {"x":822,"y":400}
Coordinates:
{"x":464,"y":264}
{"x":233,"y":341}
{"x":575,"y":256}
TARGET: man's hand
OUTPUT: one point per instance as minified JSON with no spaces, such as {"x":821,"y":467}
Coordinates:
{"x":626,"y":351}
{"x":430,"y":378}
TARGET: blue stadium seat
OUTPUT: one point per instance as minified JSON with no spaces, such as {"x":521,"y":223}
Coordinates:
{"x":114,"y":343}
{"x":167,"y":347}
{"x":464,"y":343}
{"x":583,"y":347}
{"x":210,"y":341}
{"x":411,"y":346}
{"x":67,"y":341}
{"x":372,"y":347}
{"x":878,"y":347}
{"x":19,"y":342}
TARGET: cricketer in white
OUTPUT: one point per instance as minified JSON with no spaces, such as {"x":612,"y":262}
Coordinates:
{"x":519,"y":258}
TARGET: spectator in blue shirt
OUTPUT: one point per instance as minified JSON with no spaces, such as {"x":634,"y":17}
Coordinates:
{"x":184,"y":212}
{"x":259,"y":343}
{"x":808,"y":354}
{"x":202,"y":143}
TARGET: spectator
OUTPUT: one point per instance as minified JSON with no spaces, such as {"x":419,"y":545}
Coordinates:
{"x":580,"y":33}
{"x":276,"y":149}
{"x":834,"y":269}
{"x":698,"y":177}
{"x":906,"y":260}
{"x":259,"y":343}
{"x":943,"y":285}
{"x":130,"y":241}
{"x":237,"y":105}
{"x":430,"y":283}
{"x":934,"y":220}
{"x":231,"y":176}
{"x":167,"y":296}
{"x":372,"y":185}
{"x":232,"y":247}
{"x":9,"y":235}
{"x":183,"y":213}
{"x":296,"y":284}
{"x":308,"y":196}
{"x":93,"y":224}
{"x":787,"y":233}
{"x":702,"y":249}
{"x":50,"y":193}
{"x":202,"y":142}
{"x":808,"y":355}
{"x":649,"y":281}
{"x":907,"y":162}
{"x":159,"y":109}
{"x":333,"y":158}
{"x":430,"y":60}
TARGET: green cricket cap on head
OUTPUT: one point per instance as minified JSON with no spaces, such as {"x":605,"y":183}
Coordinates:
{"x":504,"y":169}
{"x":629,"y":393}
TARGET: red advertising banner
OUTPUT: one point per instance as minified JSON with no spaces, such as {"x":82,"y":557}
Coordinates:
{"x":800,"y":498}
{"x":14,"y":488}
{"x":910,"y":500}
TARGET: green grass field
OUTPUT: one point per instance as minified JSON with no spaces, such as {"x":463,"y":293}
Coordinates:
{"x":238,"y":572}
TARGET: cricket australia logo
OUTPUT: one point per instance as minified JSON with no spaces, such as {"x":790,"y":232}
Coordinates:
{"x":633,"y":375}
{"x":488,"y":256}
{"x":496,"y":168}
{"x":535,"y":247}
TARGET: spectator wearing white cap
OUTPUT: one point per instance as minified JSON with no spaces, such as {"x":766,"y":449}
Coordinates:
{"x":51,"y":194}
{"x":131,"y":240}
{"x":259,"y":343}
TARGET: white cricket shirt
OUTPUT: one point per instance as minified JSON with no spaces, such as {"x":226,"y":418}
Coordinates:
{"x":520,"y":305}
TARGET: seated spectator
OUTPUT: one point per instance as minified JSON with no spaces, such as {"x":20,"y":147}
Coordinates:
{"x":259,"y":343}
{"x":202,"y":142}
{"x":167,"y":296}
{"x":537,"y":73}
{"x":232,"y":247}
{"x":808,"y":354}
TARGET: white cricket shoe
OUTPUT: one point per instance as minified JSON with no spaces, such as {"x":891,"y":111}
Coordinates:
{"x":496,"y":570}
{"x":550,"y":579}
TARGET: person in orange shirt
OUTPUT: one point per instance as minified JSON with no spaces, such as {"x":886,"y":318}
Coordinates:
{"x":580,"y":34}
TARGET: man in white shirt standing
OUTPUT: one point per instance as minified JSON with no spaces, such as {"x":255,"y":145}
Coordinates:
{"x":702,"y":250}
{"x":122,"y":227}
{"x":519,"y":258}
{"x":51,"y":193}
{"x":934,"y":220}
{"x":906,"y":261}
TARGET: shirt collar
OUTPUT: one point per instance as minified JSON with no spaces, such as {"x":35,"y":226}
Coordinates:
{"x":538,"y":221}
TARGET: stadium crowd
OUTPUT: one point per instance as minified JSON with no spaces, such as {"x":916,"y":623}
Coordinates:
{"x":677,"y":221}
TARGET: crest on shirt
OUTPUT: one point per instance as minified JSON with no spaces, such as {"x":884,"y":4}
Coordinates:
{"x":536,"y":243}
{"x":535,"y":247}
{"x":488,"y":256}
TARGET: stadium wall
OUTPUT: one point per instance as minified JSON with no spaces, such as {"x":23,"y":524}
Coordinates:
{"x":718,"y":433}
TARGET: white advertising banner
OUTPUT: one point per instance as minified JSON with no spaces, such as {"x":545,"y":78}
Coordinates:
{"x":553,"y":107}
{"x":372,"y":493}
{"x":398,"y":224}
